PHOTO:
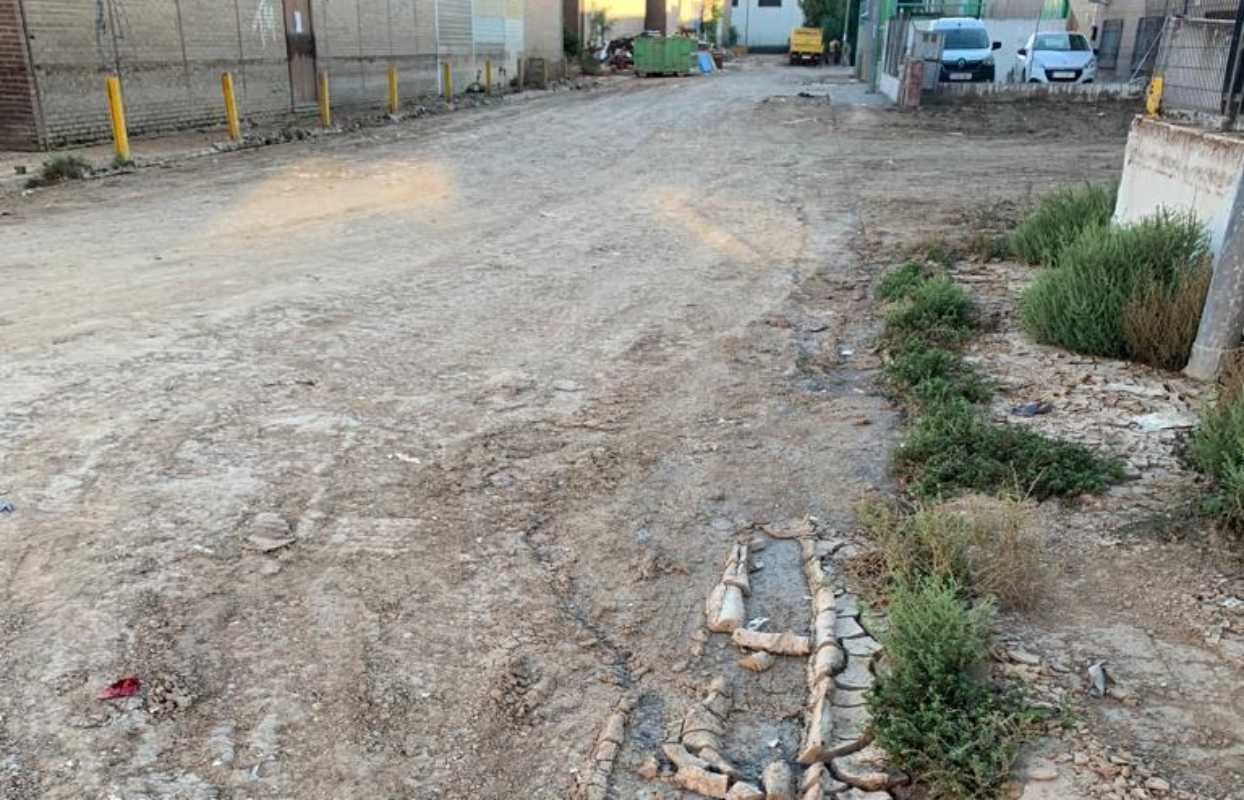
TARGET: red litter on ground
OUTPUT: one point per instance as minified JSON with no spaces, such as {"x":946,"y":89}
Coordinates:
{"x":126,"y":687}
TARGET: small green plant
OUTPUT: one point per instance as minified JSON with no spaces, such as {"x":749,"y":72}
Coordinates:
{"x":934,"y":375}
{"x":955,"y":447}
{"x":1216,"y":449}
{"x":60,"y":168}
{"x":1058,"y":220}
{"x":934,"y":310}
{"x":934,"y":710}
{"x":899,"y":283}
{"x":1079,"y":304}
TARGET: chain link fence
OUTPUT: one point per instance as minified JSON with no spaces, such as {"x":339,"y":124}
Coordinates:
{"x":1198,"y":60}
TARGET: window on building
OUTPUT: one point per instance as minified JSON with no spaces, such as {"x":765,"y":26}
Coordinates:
{"x":734,"y":3}
{"x":769,"y":3}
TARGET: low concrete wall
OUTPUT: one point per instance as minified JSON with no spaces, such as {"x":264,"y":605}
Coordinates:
{"x":1087,"y":92}
{"x":888,"y":85}
{"x":1181,"y":168}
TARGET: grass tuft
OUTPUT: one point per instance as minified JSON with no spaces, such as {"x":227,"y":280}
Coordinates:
{"x":935,"y":375}
{"x":899,"y":283}
{"x":1160,"y":321}
{"x":1216,"y":449}
{"x":935,"y":310}
{"x":984,"y":545}
{"x":1058,"y":220}
{"x":60,"y":168}
{"x":955,"y":447}
{"x":933,"y":710}
{"x":1080,"y":303}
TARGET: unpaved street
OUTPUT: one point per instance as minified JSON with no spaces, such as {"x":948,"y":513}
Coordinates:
{"x":388,"y":462}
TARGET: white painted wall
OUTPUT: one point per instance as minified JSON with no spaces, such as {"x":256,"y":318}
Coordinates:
{"x":765,"y":26}
{"x":1182,"y":169}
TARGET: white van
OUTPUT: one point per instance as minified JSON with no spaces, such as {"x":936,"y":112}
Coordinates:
{"x":967,"y":52}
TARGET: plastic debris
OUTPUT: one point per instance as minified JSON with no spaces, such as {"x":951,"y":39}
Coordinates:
{"x":1032,"y":409}
{"x":6,"y":507}
{"x":1098,"y":679}
{"x":126,"y":687}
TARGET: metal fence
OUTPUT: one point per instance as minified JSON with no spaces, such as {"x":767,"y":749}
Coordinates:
{"x":1198,"y":60}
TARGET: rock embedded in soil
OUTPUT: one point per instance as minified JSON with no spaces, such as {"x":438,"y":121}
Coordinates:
{"x":758,"y":661}
{"x":782,"y":644}
{"x":819,"y":732}
{"x":701,"y":781}
{"x":867,"y":769}
{"x":777,"y":780}
{"x":857,"y":675}
{"x":745,"y":791}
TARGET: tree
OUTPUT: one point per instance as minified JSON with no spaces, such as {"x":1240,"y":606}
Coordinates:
{"x":826,"y":15}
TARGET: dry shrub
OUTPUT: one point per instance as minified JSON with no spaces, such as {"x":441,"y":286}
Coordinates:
{"x":985,"y":545}
{"x":1231,"y":377}
{"x":1160,"y":322}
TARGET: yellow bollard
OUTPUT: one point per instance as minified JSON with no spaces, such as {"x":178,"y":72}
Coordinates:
{"x":392,"y":88}
{"x":116,"y":110}
{"x":231,"y":106}
{"x":1153,"y":96}
{"x":326,"y":107}
{"x":447,"y":81}
{"x":488,"y":76}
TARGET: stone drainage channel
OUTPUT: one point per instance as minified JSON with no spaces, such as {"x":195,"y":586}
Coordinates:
{"x":836,"y":759}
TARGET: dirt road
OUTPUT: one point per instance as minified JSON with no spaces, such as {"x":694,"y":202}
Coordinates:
{"x":389,"y":462}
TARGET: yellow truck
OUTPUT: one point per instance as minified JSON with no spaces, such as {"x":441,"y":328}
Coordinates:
{"x":807,"y":45}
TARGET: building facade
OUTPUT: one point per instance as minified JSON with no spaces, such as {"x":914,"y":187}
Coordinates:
{"x":765,"y":25}
{"x":169,"y":55}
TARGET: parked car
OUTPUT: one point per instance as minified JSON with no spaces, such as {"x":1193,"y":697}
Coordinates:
{"x":967,"y":52}
{"x":1057,"y":58}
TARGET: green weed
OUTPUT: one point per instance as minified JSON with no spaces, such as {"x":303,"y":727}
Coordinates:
{"x":1058,"y":220}
{"x":899,"y":283}
{"x":1080,"y":303}
{"x":1216,"y":449}
{"x":935,"y":375}
{"x":954,"y":447}
{"x":60,"y":168}
{"x":935,"y":310}
{"x":933,"y":710}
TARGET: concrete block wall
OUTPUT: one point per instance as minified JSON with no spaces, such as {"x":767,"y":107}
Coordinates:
{"x":1179,"y":168}
{"x":169,"y":55}
{"x":19,"y":126}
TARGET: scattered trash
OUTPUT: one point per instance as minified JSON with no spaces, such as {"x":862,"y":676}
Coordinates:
{"x":566,"y":386}
{"x":126,"y":687}
{"x":774,"y":742}
{"x":1098,"y":679}
{"x":407,"y":459}
{"x":1232,"y":603}
{"x":1164,"y":420}
{"x":757,"y":623}
{"x":267,"y":544}
{"x":6,"y":507}
{"x":1032,"y":409}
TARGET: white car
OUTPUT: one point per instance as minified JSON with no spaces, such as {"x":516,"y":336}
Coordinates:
{"x":1057,"y":58}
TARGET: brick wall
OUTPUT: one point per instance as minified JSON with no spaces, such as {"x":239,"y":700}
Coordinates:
{"x":169,"y":55}
{"x":18,"y":120}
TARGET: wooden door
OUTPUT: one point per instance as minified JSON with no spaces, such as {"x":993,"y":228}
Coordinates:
{"x":300,"y":44}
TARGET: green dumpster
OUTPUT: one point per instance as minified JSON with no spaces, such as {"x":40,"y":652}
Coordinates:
{"x":663,"y":55}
